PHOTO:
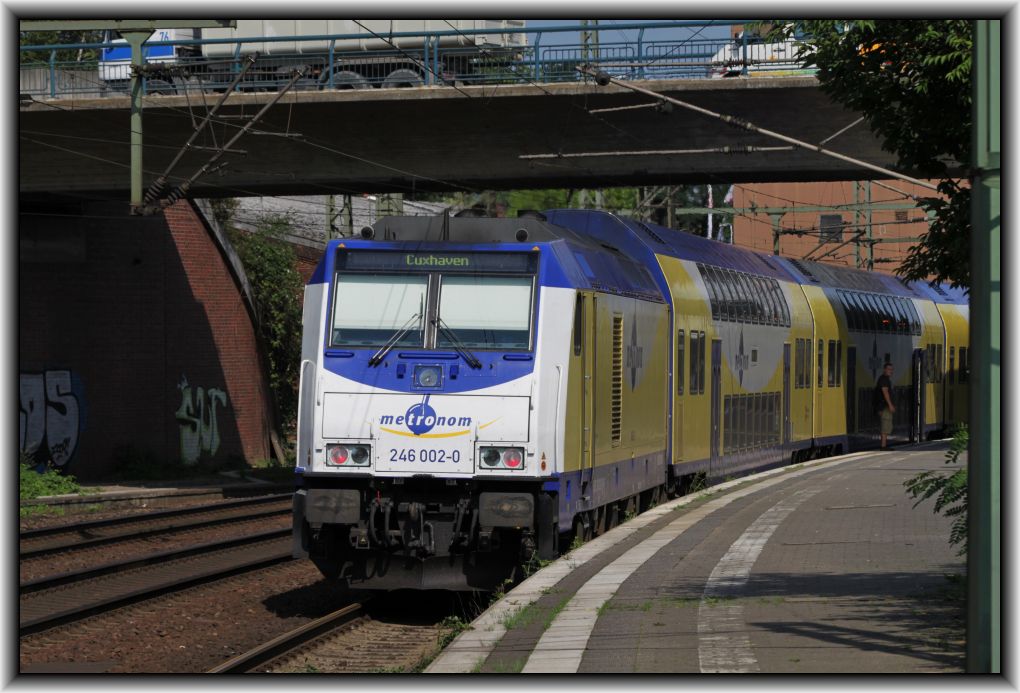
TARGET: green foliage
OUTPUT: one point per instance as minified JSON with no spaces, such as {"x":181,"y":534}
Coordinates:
{"x":52,"y":482}
{"x":911,"y":79}
{"x":270,"y":265}
{"x":48,"y":38}
{"x":949,"y":490}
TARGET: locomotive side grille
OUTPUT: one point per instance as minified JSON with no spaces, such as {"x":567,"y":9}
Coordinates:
{"x":616,"y":405}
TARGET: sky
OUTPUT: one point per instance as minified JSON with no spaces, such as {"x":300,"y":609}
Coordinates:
{"x":607,"y":34}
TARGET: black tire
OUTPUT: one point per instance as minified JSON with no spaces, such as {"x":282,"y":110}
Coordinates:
{"x":402,"y":79}
{"x":347,"y":79}
{"x":160,"y":86}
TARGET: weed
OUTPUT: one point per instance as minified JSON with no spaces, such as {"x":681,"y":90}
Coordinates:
{"x":32,"y":510}
{"x":577,"y":542}
{"x":795,"y":659}
{"x":683,"y":601}
{"x":450,"y":627}
{"x":311,"y":669}
{"x":716,"y":601}
{"x":50,"y":481}
{"x":513,"y":667}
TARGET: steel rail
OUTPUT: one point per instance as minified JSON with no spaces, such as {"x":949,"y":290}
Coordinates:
{"x":80,"y":543}
{"x":282,"y":644}
{"x":154,"y":515}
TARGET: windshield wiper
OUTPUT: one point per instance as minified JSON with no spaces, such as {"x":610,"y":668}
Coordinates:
{"x":378,"y":356}
{"x":457,"y":344}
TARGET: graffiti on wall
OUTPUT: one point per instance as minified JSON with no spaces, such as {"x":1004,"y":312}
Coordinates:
{"x":50,"y":416}
{"x":197,"y":420}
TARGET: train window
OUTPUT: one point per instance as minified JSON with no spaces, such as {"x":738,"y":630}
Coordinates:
{"x":713,"y":289}
{"x":775,"y":317}
{"x":853,"y":314}
{"x":757,"y":303}
{"x":694,"y":362}
{"x":371,"y":309}
{"x":733,"y":305}
{"x":701,"y":364}
{"x":939,"y":362}
{"x":964,"y":366}
{"x":863,"y":315}
{"x":821,"y":362}
{"x":902,"y":319}
{"x":784,"y":310}
{"x":832,"y":363}
{"x":725,"y":299}
{"x":929,"y":363}
{"x":874,"y":321}
{"x":726,"y":428}
{"x":915,"y":320}
{"x":797,"y":363}
{"x":578,"y":324}
{"x":839,"y":362}
{"x":741,"y":302}
{"x":485,"y":312}
{"x":765,"y":298}
{"x":680,"y":362}
{"x":888,"y":315}
{"x":951,"y":373}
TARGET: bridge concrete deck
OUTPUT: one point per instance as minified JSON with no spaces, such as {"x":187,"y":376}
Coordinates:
{"x":825,"y":567}
{"x":445,"y":138}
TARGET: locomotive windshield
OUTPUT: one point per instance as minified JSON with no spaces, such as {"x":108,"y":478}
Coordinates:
{"x":372,"y":308}
{"x":434,"y":300}
{"x":485,"y":312}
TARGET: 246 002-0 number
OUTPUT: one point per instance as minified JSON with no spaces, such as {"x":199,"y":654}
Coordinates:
{"x":427,"y":455}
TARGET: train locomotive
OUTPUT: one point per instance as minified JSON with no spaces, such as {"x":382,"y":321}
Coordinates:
{"x":477,"y":393}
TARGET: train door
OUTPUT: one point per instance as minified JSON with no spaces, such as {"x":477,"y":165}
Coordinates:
{"x":679,"y":375}
{"x":588,"y":394}
{"x":716,"y":398}
{"x":917,"y":396}
{"x":851,"y":390}
{"x":787,"y":433}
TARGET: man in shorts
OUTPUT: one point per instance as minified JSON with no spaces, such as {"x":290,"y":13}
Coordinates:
{"x":884,"y":405}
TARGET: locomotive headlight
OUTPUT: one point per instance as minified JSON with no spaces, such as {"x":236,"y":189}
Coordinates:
{"x":360,"y":455}
{"x":337,"y":455}
{"x":348,"y":455}
{"x":513,"y":459}
{"x":428,"y":376}
{"x":502,"y":458}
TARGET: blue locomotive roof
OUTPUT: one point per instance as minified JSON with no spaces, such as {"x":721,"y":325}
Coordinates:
{"x":575,"y":261}
{"x":643,"y":240}
{"x":605,"y":252}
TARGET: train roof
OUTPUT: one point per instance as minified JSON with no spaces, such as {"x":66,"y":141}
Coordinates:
{"x":643,"y":240}
{"x":581,"y":260}
{"x":607,"y":252}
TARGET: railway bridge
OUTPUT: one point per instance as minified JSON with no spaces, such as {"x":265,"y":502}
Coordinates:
{"x":448,"y":138}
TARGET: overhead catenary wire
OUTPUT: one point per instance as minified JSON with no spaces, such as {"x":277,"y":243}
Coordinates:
{"x":603,"y":79}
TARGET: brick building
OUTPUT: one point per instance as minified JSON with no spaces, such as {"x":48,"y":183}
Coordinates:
{"x":136,"y":337}
{"x":843,"y":223}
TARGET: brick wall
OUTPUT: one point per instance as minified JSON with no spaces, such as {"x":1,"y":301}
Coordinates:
{"x":133,"y":334}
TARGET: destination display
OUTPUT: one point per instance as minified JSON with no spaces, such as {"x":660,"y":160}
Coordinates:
{"x":389,"y":261}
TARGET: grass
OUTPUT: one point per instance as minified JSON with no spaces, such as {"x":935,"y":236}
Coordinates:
{"x":614,"y":606}
{"x":532,"y":613}
{"x":51,"y":482}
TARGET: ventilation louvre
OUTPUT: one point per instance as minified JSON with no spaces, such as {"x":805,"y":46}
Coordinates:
{"x":616,"y":402}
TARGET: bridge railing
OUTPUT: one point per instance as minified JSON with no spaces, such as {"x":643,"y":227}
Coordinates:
{"x":450,"y":58}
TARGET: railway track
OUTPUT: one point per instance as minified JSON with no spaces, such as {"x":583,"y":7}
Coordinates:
{"x":57,"y":599}
{"x":350,"y":640}
{"x":82,"y":535}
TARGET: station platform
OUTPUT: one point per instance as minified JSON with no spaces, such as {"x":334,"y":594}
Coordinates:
{"x":821,"y":567}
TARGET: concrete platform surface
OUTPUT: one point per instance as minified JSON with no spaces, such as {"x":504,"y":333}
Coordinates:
{"x":824,"y":567}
